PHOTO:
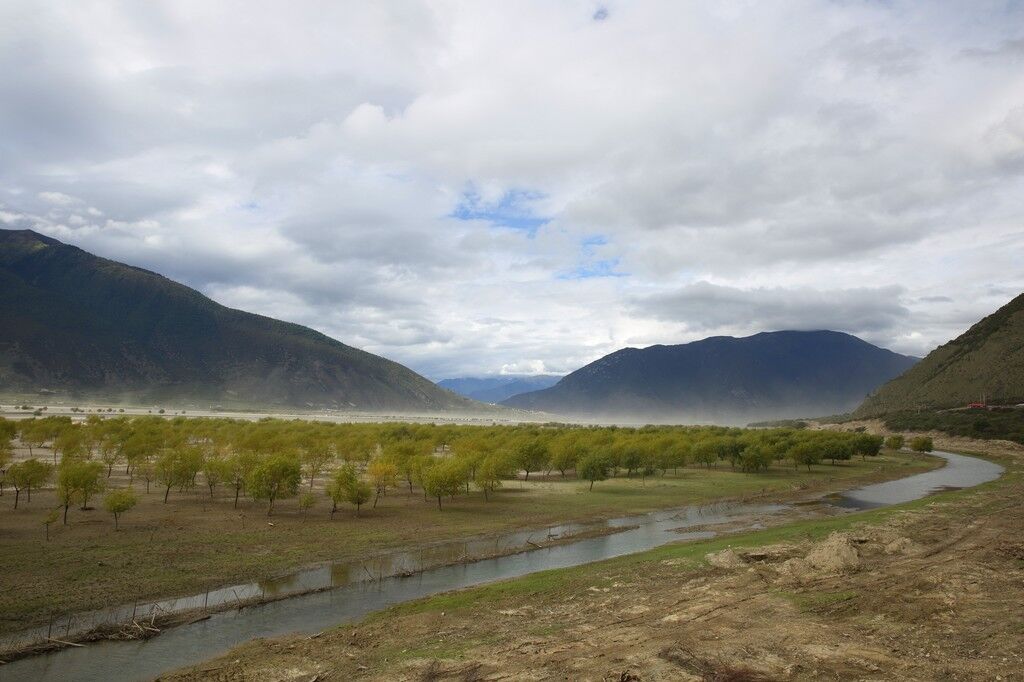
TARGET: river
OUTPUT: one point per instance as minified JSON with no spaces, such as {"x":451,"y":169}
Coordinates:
{"x":352,"y":590}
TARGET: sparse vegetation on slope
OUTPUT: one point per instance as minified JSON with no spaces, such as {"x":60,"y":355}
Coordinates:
{"x":75,"y":323}
{"x":984,"y":363}
{"x":996,"y":423}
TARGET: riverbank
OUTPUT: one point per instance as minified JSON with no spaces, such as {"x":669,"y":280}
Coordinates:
{"x":925,"y":590}
{"x":196,"y":542}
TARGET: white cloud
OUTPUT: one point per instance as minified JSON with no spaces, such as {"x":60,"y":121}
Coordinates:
{"x":627,"y":174}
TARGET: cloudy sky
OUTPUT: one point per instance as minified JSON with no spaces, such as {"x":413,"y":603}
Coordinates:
{"x":485,"y":187}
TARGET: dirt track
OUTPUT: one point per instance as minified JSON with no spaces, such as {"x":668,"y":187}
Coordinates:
{"x":929,"y":594}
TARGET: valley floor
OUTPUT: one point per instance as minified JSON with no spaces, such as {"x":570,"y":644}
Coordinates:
{"x":926,"y":591}
{"x":195,"y":542}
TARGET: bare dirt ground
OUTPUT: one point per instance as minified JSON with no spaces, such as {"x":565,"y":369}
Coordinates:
{"x":933,"y":591}
{"x":198,"y":541}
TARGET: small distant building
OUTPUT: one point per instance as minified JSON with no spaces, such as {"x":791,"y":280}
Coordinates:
{"x":977,"y":406}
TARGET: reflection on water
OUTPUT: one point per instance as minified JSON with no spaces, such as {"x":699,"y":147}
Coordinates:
{"x":370,"y":586}
{"x":960,"y":472}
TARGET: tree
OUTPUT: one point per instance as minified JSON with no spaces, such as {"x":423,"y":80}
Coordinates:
{"x":50,"y":519}
{"x":673,"y":456}
{"x":648,"y":463}
{"x":89,"y":478}
{"x":306,"y":502}
{"x":704,"y":453}
{"x":806,"y":454}
{"x":117,"y":502}
{"x":489,"y":473}
{"x":358,"y":494}
{"x":32,"y":434}
{"x":337,"y":488}
{"x":169,"y":470}
{"x":894,"y":442}
{"x":867,"y":445}
{"x":216,"y":470}
{"x":835,"y":450}
{"x":238,"y":466}
{"x":728,"y":447}
{"x":69,"y":443}
{"x":6,"y":455}
{"x":276,"y":477}
{"x":565,"y":456}
{"x":422,"y":464}
{"x":532,"y":455}
{"x":70,"y":476}
{"x":755,"y":457}
{"x":382,"y":474}
{"x":110,"y":450}
{"x":632,"y":459}
{"x":27,"y":475}
{"x":315,"y":456}
{"x":921,"y":444}
{"x":13,"y":476}
{"x":407,"y":457}
{"x":592,"y":467}
{"x":444,"y":479}
{"x":190,"y":463}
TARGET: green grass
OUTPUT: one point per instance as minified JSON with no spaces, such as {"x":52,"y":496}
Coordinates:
{"x":688,"y":556}
{"x":193,"y":543}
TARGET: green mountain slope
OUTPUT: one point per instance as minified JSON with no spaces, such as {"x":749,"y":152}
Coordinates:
{"x":83,"y":325}
{"x":985,"y":361}
{"x":771,"y":375}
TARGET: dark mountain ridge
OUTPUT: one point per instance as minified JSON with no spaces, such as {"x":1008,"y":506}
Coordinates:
{"x":726,"y":379}
{"x":82,"y":325}
{"x":984,"y":363}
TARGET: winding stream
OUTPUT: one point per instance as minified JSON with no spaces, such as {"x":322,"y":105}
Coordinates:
{"x":352,"y":590}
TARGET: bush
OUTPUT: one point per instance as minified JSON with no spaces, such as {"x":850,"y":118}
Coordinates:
{"x":921,"y":444}
{"x":894,"y":442}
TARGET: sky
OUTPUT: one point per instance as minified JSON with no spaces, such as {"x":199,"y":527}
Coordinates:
{"x":477,"y":188}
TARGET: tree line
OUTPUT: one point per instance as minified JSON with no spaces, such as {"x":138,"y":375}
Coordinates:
{"x":357,"y":464}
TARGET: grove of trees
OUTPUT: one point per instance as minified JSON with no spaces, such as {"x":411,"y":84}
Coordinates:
{"x":274,"y":460}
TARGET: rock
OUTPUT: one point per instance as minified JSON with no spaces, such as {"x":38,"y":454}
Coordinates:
{"x":794,"y":570}
{"x":726,"y":558}
{"x":835,"y":555}
{"x":901,"y":546}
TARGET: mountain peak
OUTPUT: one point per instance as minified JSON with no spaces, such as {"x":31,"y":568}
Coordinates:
{"x":726,"y":379}
{"x":87,"y":326}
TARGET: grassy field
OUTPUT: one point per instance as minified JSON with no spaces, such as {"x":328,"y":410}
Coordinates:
{"x":195,"y":542}
{"x":657,"y":612}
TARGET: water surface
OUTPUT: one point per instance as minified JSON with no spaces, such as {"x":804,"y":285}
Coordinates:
{"x":359,"y":589}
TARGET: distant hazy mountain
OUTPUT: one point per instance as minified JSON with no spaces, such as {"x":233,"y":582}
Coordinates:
{"x":986,"y":361}
{"x":497,"y":388}
{"x":75,"y":323}
{"x":725,"y":379}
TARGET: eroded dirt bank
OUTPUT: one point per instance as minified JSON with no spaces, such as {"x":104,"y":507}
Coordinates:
{"x":932,"y":592}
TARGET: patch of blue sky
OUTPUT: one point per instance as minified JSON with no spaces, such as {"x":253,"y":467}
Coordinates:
{"x":594,"y":268}
{"x":513,"y":210}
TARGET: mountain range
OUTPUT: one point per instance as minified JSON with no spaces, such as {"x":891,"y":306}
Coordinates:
{"x":771,"y":375}
{"x":83,"y":326}
{"x":985,"y":363}
{"x":494,"y":389}
{"x":77,"y":324}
